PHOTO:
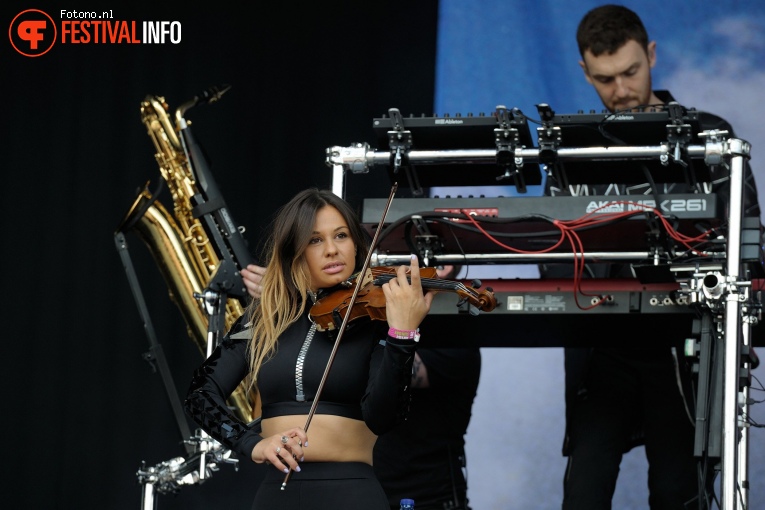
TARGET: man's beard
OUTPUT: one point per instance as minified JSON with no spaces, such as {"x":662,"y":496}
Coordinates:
{"x":634,"y":102}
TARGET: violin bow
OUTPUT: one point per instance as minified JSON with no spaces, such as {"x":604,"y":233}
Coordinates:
{"x":341,"y":330}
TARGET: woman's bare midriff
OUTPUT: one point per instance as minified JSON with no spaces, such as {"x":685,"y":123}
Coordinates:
{"x":330,"y":438}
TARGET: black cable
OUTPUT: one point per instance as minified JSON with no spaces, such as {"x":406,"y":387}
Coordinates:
{"x":444,"y":217}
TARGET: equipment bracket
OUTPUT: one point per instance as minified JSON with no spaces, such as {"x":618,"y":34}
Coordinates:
{"x":507,"y":140}
{"x":400,"y":142}
{"x":678,"y":132}
{"x":549,"y":135}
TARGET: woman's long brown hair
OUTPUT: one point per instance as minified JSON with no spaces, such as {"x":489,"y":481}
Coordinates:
{"x":286,"y":282}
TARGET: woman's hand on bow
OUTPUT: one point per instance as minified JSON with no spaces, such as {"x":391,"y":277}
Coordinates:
{"x":283,"y":450}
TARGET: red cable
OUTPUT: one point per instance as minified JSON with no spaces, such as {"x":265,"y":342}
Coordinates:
{"x":568,"y":230}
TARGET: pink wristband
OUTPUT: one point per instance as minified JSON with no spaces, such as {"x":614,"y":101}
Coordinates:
{"x":404,"y":334}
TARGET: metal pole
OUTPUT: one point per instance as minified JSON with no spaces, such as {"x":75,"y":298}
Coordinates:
{"x":338,"y":183}
{"x":743,"y":445}
{"x":729,"y":487}
{"x":148,"y":502}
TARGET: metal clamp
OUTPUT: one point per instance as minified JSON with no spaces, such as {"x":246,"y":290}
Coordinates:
{"x":678,"y":132}
{"x":549,"y":135}
{"x":399,"y":139}
{"x":169,"y":476}
{"x":353,"y":158}
{"x":507,"y":139}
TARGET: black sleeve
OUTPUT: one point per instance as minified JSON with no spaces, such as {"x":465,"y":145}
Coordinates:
{"x":386,"y":401}
{"x":449,"y":367}
{"x":211,"y":385}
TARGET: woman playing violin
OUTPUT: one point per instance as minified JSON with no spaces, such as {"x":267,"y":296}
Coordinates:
{"x":316,"y":244}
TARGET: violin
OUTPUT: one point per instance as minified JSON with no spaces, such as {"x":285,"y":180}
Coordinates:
{"x":328,"y":312}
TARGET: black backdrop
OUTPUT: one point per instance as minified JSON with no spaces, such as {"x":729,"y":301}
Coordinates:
{"x":81,"y":408}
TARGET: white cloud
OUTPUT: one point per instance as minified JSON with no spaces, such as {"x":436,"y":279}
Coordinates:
{"x":746,"y":32}
{"x":729,"y":84}
{"x":736,"y":98}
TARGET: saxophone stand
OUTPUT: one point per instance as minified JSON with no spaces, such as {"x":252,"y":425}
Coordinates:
{"x":204,"y":454}
{"x":212,"y":302}
{"x":169,"y":476}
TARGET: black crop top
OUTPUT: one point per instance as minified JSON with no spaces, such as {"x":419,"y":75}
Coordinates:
{"x":369,"y":380}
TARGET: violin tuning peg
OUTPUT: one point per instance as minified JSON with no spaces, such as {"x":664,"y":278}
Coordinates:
{"x":461,"y":302}
{"x":476,"y":284}
{"x":473,"y":311}
{"x":489,"y":289}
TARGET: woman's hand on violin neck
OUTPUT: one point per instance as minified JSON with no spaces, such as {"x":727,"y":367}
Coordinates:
{"x":283,"y":450}
{"x":405,"y":303}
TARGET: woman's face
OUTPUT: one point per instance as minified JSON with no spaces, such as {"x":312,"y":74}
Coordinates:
{"x":331,"y":253}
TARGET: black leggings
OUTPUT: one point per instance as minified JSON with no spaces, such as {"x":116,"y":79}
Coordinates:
{"x":620,"y":394}
{"x":321,"y":486}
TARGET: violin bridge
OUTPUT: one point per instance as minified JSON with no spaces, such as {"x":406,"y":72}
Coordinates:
{"x":368,"y":278}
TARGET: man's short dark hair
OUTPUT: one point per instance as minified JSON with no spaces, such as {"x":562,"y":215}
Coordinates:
{"x":607,"y":28}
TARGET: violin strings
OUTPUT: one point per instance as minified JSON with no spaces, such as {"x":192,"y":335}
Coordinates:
{"x":431,"y":283}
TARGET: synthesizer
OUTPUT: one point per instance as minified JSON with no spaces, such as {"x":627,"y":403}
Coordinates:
{"x":526,"y":222}
{"x":552,"y":313}
{"x":673,"y":125}
{"x":502,"y":130}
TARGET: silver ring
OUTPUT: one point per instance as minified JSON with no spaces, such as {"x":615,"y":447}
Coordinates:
{"x":278,"y":449}
{"x":285,"y":439}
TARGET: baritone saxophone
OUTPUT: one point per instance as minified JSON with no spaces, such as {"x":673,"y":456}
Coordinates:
{"x":178,"y":242}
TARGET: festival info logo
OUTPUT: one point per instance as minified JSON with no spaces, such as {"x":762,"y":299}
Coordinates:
{"x":33,"y":32}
